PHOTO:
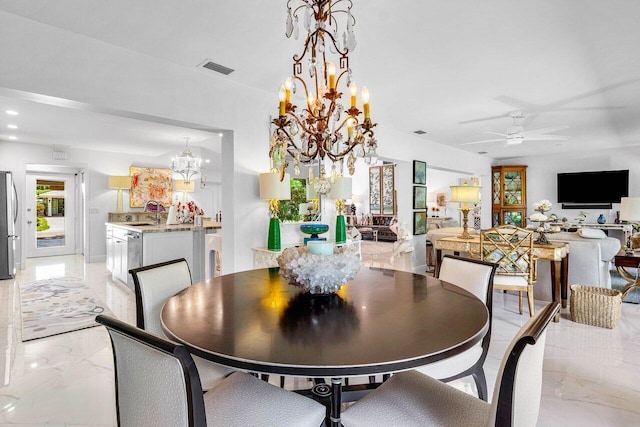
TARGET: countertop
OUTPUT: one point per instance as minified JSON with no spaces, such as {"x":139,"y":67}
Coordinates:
{"x":144,"y":227}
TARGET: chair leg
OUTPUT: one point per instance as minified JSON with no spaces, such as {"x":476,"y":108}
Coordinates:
{"x":481,"y":383}
{"x":530,"y":300}
{"x":520,"y":301}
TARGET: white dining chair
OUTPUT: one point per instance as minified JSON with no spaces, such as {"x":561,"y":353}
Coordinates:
{"x":157,"y":384}
{"x":156,"y":283}
{"x":413,"y":399}
{"x":476,"y":277}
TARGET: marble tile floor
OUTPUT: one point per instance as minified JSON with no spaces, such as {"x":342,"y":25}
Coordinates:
{"x":591,"y":375}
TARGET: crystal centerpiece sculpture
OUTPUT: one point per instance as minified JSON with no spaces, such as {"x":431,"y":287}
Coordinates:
{"x":319,"y":273}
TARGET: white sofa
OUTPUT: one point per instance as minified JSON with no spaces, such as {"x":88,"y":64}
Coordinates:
{"x":589,"y":263}
{"x":589,"y":260}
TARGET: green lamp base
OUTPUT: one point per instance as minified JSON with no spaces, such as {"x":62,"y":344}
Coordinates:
{"x":273,"y":240}
{"x":341,"y":230}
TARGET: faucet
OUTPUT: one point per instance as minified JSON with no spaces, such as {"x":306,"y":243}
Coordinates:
{"x":154,"y":206}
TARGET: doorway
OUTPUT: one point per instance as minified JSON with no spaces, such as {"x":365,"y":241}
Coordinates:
{"x":50,"y":215}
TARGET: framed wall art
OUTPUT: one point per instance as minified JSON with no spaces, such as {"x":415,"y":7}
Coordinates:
{"x":150,"y":184}
{"x":419,"y":172}
{"x":419,"y":197}
{"x":419,"y":223}
{"x":388,"y":190}
{"x":374,"y":190}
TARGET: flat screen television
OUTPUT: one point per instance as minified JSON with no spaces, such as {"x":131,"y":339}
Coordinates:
{"x":593,"y":187}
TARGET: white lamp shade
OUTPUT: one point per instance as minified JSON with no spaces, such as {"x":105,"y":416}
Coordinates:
{"x":272,"y":188}
{"x":630,"y":209}
{"x":188,"y":186}
{"x":341,"y":188}
{"x":465,"y":194}
{"x":119,"y":182}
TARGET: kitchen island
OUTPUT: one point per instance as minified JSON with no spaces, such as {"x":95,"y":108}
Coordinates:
{"x":134,"y":244}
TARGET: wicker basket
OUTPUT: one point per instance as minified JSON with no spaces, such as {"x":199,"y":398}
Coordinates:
{"x":596,"y":306}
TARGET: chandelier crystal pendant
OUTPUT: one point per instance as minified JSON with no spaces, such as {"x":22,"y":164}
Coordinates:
{"x":186,"y":164}
{"x":322,"y":127}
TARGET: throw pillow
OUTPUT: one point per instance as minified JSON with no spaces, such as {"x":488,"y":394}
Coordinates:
{"x":591,"y":233}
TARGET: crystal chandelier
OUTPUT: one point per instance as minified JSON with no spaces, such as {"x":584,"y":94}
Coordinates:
{"x":321,"y":127}
{"x":186,"y":164}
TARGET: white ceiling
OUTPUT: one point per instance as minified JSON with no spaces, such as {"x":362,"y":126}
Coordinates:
{"x":438,"y":66}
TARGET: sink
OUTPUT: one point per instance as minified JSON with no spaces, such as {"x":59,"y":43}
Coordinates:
{"x":134,"y":224}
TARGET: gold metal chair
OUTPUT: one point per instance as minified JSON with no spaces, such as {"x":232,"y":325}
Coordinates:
{"x":512,"y":249}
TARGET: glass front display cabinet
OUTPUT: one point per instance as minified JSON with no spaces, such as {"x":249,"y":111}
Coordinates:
{"x":509,"y":195}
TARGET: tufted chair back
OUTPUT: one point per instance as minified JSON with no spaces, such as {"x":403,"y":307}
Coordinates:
{"x":157,"y":382}
{"x":154,"y":284}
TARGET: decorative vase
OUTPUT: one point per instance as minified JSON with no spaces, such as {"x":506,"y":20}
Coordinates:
{"x":601,"y":219}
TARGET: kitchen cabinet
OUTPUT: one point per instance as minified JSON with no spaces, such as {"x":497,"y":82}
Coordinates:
{"x":132,"y":245}
{"x":509,"y":195}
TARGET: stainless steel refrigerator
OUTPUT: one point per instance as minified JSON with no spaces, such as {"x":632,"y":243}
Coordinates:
{"x":8,"y":216}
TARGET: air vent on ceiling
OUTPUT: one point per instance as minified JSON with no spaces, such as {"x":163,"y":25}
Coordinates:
{"x":210,"y":65}
{"x":419,"y":132}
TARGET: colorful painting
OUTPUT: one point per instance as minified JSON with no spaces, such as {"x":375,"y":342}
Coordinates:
{"x":419,"y":172}
{"x":419,"y":197}
{"x":388,"y":190}
{"x":419,"y":223}
{"x":150,"y":184}
{"x":374,"y":190}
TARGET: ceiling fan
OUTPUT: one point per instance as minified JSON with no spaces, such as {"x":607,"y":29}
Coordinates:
{"x":517,"y":135}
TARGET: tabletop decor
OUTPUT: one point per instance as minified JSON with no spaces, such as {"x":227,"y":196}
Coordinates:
{"x":185,"y":213}
{"x":542,"y":219}
{"x":319,"y":273}
{"x":313,"y":229}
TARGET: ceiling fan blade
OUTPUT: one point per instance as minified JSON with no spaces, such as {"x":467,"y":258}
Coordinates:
{"x":482,"y":142}
{"x":496,"y":133}
{"x":546,"y":138}
{"x":483,"y":119}
{"x":543,"y":131}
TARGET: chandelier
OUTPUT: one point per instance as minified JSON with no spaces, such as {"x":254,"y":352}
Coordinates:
{"x":186,"y":164}
{"x":320,"y":127}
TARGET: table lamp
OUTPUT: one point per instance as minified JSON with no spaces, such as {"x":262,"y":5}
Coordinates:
{"x":274,"y":190}
{"x":630,"y":212}
{"x":120,"y":183}
{"x":465,"y":194}
{"x":185,"y":187}
{"x":340,"y":190}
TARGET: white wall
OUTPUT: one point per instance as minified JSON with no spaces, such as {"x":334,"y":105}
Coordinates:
{"x":542,"y":172}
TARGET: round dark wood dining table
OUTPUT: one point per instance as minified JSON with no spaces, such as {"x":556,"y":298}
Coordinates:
{"x":382,"y":321}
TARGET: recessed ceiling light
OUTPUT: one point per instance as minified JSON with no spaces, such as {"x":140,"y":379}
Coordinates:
{"x":221,"y":135}
{"x":13,"y":138}
{"x":419,"y":132}
{"x":482,"y":152}
{"x":12,"y":126}
{"x":12,"y":112}
{"x":207,"y":161}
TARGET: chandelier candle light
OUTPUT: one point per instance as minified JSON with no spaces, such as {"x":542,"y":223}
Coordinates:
{"x":465,"y":194}
{"x":274,"y":190}
{"x":320,"y":126}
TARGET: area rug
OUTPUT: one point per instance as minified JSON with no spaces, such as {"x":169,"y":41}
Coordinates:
{"x":57,"y":306}
{"x":618,"y":283}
